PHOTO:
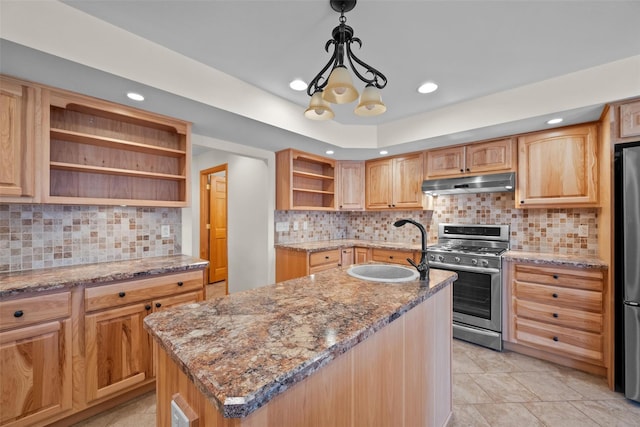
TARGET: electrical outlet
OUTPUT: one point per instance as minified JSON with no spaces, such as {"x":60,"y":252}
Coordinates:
{"x":282,"y":226}
{"x":583,"y":230}
{"x":304,"y":225}
{"x":295,"y":225}
{"x":165,"y":231}
{"x":178,"y":418}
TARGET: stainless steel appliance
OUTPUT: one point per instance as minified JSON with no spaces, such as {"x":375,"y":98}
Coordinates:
{"x":474,"y":252}
{"x":627,"y":269}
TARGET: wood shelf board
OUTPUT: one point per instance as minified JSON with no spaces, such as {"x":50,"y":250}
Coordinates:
{"x":113,"y":171}
{"x":100,"y":141}
{"x":312,"y":208}
{"x":306,"y":190}
{"x":312,"y":175}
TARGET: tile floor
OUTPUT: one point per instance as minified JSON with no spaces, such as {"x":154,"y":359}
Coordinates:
{"x":489,"y":389}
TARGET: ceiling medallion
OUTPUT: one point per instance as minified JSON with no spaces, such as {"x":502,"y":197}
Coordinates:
{"x":338,"y":88}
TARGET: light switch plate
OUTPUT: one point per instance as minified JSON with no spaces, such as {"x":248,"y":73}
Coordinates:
{"x":166,"y":231}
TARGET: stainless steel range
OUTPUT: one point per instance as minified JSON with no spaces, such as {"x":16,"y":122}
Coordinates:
{"x":474,"y":252}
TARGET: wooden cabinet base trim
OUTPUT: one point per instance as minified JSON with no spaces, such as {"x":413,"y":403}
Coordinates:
{"x":554,"y":358}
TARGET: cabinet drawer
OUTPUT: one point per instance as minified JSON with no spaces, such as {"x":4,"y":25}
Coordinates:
{"x":559,"y":316}
{"x":590,"y":279}
{"x":387,"y":255}
{"x":27,"y":311}
{"x":107,"y":296}
{"x":557,"y":296}
{"x":323,"y":260}
{"x":563,"y":341}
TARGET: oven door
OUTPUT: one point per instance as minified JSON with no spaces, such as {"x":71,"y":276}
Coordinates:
{"x":477,"y":296}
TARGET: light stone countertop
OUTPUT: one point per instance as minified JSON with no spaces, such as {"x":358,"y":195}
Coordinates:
{"x":59,"y":278}
{"x":324,"y":245}
{"x":544,"y":258}
{"x":242,"y":350}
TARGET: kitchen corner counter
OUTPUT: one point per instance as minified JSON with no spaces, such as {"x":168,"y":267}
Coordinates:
{"x":243,"y":350}
{"x":60,"y":278}
{"x":323,"y":245}
{"x":545,"y":258}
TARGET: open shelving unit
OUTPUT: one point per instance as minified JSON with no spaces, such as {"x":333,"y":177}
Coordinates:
{"x":304,"y":181}
{"x":104,"y":153}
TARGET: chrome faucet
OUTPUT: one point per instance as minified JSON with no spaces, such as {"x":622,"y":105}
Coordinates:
{"x":422,"y":267}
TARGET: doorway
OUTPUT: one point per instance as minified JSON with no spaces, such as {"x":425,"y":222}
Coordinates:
{"x":213,"y":228}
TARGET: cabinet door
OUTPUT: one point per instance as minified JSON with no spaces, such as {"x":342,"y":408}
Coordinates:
{"x":408,"y":174}
{"x":378,"y":184}
{"x":445,"y":162}
{"x":118,"y":350}
{"x":492,"y":156}
{"x":362,"y":255}
{"x":17,"y":138}
{"x":346,"y":256}
{"x":350,"y":185}
{"x":558,"y":168}
{"x":35,"y":362}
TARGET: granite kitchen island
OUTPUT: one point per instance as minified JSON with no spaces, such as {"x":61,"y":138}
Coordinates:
{"x":322,"y":350}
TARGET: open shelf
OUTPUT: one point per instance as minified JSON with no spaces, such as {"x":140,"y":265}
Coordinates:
{"x":104,"y":153}
{"x":304,"y":181}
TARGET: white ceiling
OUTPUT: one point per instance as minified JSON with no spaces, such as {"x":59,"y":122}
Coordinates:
{"x":502,"y":66}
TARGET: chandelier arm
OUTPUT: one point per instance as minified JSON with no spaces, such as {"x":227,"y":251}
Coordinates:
{"x":369,"y":69}
{"x":314,"y":85}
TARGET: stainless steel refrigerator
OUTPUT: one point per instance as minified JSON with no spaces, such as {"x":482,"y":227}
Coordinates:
{"x":627,"y":269}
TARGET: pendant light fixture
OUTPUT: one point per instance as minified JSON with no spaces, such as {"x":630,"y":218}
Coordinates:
{"x":338,"y":88}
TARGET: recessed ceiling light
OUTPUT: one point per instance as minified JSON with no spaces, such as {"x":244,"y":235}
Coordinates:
{"x":383,"y":152}
{"x":329,"y":152}
{"x":135,"y":96}
{"x":554,"y":121}
{"x":428,"y":87}
{"x":298,"y":85}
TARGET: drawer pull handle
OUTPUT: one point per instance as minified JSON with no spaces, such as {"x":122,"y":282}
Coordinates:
{"x":326,"y":257}
{"x":158,"y":305}
{"x":555,"y":295}
{"x":555,"y":339}
{"x":555,"y":276}
{"x":121,"y":294}
{"x":390,"y":256}
{"x":147,"y":307}
{"x":18,"y":313}
{"x":180,"y":283}
{"x":555,"y":315}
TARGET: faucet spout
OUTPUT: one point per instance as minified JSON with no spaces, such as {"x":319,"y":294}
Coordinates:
{"x":423,"y":266}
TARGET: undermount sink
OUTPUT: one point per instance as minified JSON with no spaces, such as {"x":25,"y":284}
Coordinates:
{"x":383,"y":273}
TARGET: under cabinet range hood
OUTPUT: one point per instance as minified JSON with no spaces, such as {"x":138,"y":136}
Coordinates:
{"x":496,"y":183}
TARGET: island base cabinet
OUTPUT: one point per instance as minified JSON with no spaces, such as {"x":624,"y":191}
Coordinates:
{"x":400,"y":376}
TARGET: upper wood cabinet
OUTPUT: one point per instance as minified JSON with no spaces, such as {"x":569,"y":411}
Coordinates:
{"x":558,"y":167}
{"x":395,"y":183}
{"x":97,"y":152}
{"x":627,"y":126}
{"x":304,"y":181}
{"x":19,"y":129}
{"x":350,"y":185}
{"x":477,"y":158}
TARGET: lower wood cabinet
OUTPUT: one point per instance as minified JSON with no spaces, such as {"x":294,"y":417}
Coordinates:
{"x":394,"y":256}
{"x":560,"y":311}
{"x":118,"y":350}
{"x":35,"y":359}
{"x":73,"y":351}
{"x":362,"y":255}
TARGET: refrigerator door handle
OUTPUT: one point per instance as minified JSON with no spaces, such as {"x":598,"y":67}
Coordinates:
{"x":632,"y":303}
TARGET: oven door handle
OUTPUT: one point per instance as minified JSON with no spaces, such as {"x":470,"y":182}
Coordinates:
{"x":463,"y":268}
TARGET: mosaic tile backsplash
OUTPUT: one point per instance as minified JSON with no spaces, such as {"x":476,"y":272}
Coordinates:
{"x":544,"y":230}
{"x":40,"y":236}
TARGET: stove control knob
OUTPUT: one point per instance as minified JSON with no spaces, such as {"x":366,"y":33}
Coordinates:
{"x":457,"y":259}
{"x":432,"y":257}
{"x":474,"y":261}
{"x":440,"y":258}
{"x":484,"y":263}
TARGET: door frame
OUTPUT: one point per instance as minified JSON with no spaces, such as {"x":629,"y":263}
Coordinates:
{"x":204,"y":216}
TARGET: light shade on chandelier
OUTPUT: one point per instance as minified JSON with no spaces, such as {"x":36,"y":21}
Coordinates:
{"x":339,"y":88}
